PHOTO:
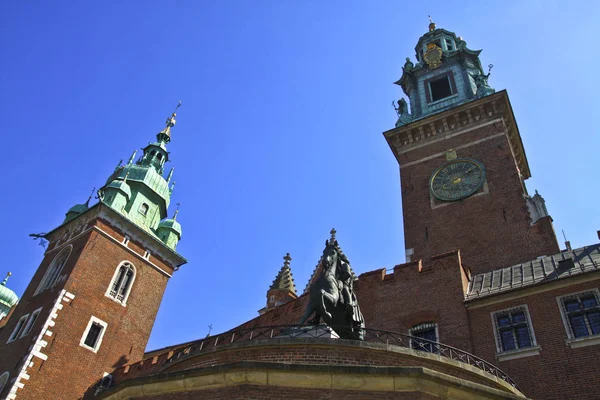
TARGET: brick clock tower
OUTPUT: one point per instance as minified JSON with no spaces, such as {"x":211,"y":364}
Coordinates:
{"x":91,"y":304}
{"x":462,"y":163}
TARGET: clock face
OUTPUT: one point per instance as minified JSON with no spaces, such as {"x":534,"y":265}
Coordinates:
{"x":457,"y":179}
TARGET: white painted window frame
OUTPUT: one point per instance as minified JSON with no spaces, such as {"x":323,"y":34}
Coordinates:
{"x":44,"y":283}
{"x":18,"y":328}
{"x":573,"y":341}
{"x":29,"y":325}
{"x":112,"y":281}
{"x":505,"y":355}
{"x":96,"y":347}
{"x":4,"y":377}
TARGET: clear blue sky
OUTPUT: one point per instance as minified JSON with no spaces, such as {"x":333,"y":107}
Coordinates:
{"x":279,"y":136}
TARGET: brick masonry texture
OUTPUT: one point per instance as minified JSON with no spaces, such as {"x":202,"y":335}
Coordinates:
{"x":87,"y":275}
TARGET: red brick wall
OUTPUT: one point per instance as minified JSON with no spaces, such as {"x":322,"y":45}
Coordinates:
{"x":492,"y":230}
{"x":558,"y":372}
{"x":89,"y":271}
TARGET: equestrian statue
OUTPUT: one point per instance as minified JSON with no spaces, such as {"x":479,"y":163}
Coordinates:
{"x":332,"y":298}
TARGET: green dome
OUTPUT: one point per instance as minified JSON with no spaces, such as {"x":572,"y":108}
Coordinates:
{"x":8,"y":298}
{"x":78,"y":208}
{"x":120,"y":185}
{"x":171,"y":224}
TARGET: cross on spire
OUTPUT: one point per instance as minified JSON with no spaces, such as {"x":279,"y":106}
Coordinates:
{"x":332,"y":232}
{"x":176,"y":211}
{"x":286,"y":260}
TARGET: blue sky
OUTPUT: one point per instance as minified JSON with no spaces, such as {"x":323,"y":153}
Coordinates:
{"x":279,"y":136}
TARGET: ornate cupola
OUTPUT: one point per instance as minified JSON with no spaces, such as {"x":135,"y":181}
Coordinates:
{"x":8,"y":299}
{"x":78,"y":209}
{"x":446,"y":74}
{"x":138,"y":189}
{"x":169,"y":230}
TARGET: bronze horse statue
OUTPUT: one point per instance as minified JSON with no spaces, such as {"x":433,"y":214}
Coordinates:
{"x":331,"y":296}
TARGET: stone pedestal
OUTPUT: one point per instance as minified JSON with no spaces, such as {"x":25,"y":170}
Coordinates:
{"x":309,"y":331}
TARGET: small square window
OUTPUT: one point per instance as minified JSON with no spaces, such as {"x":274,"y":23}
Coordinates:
{"x":513,"y":329}
{"x":440,"y":88}
{"x":92,"y":337}
{"x":581,"y":314}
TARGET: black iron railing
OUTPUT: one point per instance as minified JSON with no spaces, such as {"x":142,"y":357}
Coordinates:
{"x":370,"y":335}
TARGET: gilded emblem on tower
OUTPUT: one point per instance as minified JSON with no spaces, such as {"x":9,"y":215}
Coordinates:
{"x":433,"y":55}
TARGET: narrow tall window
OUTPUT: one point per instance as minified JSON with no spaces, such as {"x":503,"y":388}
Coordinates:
{"x":54,"y":270}
{"x":15,"y":333}
{"x":581,"y":314}
{"x":30,"y":322}
{"x":3,"y":380}
{"x":122,"y":281}
{"x":92,"y":336}
{"x":513,"y":329}
{"x":427,"y":331}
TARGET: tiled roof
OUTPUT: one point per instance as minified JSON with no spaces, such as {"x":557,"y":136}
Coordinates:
{"x":544,"y":269}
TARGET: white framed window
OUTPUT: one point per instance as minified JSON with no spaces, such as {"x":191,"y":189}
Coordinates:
{"x":121,"y":283}
{"x":126,"y":240}
{"x":147,"y":254}
{"x":56,"y":266}
{"x":580,"y":313}
{"x":93,"y":334}
{"x":513,"y":332}
{"x":29,"y":326}
{"x":272,"y":299}
{"x":427,"y":331}
{"x":15,"y":333}
{"x":105,"y":383}
{"x":4,"y":380}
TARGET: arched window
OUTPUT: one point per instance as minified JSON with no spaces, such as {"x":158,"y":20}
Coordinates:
{"x":144,"y":208}
{"x":54,"y":270}
{"x":120,"y":286}
{"x":3,"y":380}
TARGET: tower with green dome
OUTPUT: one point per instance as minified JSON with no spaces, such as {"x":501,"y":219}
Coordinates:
{"x":8,"y":299}
{"x":139,"y":191}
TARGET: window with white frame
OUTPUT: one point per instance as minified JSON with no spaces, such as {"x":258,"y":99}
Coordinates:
{"x":513,"y":329}
{"x":30,"y":322}
{"x":56,"y":266}
{"x":581,"y":313}
{"x":93,"y":334}
{"x":427,"y":331}
{"x":15,"y":333}
{"x":4,"y":380}
{"x":121,"y":283}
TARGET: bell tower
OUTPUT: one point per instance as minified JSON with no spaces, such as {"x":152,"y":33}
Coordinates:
{"x":92,"y":302}
{"x":462,"y":162}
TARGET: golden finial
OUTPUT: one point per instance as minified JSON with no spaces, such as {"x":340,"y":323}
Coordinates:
{"x":431,"y":24}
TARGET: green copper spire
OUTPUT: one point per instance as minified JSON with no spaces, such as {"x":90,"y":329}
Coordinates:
{"x":169,"y":230}
{"x":78,"y":209}
{"x":8,"y":298}
{"x":139,"y":191}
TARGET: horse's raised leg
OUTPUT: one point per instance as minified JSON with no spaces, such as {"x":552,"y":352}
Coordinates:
{"x":324,"y":295}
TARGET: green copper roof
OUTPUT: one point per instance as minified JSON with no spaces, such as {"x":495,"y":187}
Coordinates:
{"x":171,"y":224}
{"x":8,"y":298}
{"x":120,"y":185}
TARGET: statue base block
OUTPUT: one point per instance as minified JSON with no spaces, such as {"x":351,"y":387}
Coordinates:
{"x":309,"y":331}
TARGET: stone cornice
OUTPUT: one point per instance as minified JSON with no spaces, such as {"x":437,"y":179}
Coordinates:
{"x":462,"y":118}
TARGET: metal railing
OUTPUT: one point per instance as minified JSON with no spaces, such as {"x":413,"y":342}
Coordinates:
{"x":322,"y":331}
